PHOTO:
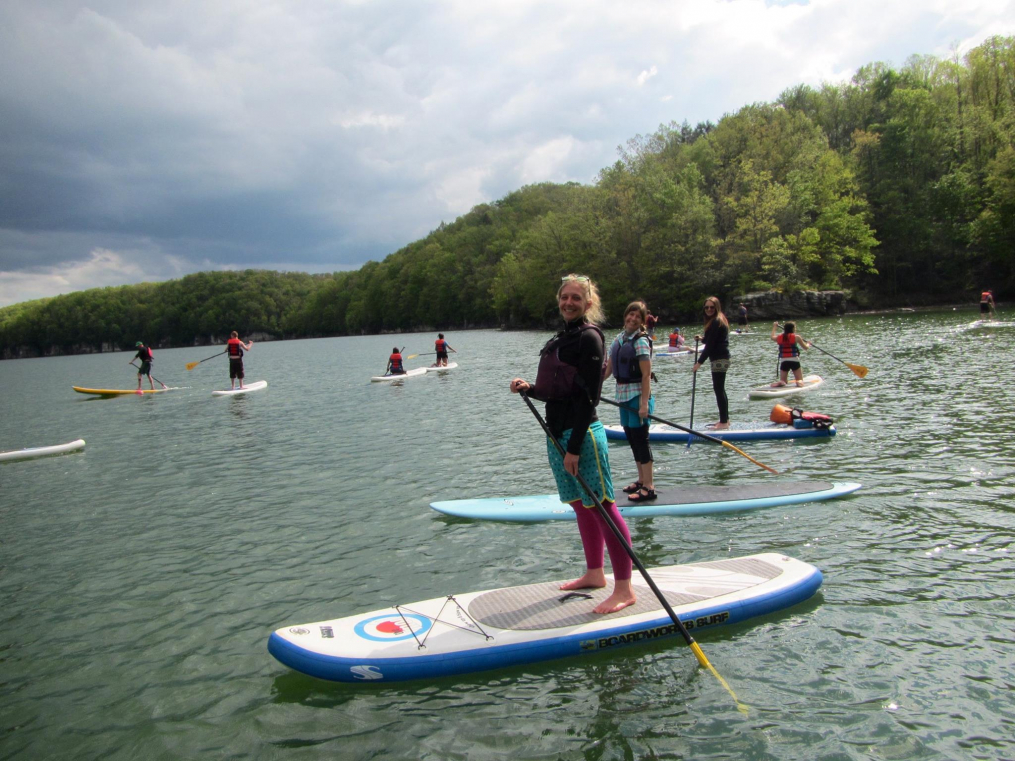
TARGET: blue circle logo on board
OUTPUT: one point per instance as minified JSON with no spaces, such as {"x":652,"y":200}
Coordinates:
{"x":392,"y":628}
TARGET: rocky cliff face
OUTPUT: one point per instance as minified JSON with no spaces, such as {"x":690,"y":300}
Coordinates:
{"x":775,"y":305}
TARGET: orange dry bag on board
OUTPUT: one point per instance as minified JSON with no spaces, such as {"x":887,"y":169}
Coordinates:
{"x":782,"y":415}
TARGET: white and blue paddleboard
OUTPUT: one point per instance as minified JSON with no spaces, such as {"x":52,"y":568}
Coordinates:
{"x":683,"y":501}
{"x":442,"y":368}
{"x":742,"y":432}
{"x":462,"y":634}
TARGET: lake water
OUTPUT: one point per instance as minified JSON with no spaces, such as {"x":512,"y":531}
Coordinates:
{"x":140,"y":579}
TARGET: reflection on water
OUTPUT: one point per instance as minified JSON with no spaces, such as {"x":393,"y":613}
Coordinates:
{"x":141,"y":578}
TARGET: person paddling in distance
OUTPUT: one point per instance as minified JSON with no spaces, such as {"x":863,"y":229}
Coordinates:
{"x":145,"y":356}
{"x":395,"y":366}
{"x":630,"y":361}
{"x":569,"y":380}
{"x":987,"y":305}
{"x":789,"y":353}
{"x":717,"y":350}
{"x":234,"y":350}
{"x":442,"y":347}
{"x":742,"y":319}
{"x":676,"y":340}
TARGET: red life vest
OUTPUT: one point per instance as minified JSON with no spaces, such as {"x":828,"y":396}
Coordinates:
{"x":985,"y":296}
{"x":145,"y":354}
{"x":674,"y":339}
{"x":234,"y":348}
{"x":787,"y":346}
{"x":396,"y":362}
{"x":439,"y":344}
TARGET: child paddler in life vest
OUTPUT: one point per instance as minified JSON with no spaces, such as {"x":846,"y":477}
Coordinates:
{"x":676,"y":340}
{"x":234,"y":350}
{"x":789,"y":353}
{"x":569,"y":380}
{"x":395,"y":363}
{"x":630,"y":361}
{"x":442,"y":348}
{"x":145,"y":356}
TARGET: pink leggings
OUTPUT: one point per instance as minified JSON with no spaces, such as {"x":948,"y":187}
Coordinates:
{"x":596,"y":535}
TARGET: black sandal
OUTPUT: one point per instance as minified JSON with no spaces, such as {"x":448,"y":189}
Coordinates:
{"x":631,"y":488}
{"x":642,"y":495}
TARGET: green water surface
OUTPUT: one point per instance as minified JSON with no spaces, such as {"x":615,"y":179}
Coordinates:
{"x":140,"y":579}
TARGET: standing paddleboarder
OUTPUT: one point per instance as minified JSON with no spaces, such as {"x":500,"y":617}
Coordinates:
{"x":234,"y":349}
{"x":717,"y":351}
{"x":569,"y":380}
{"x":442,"y":348}
{"x":742,"y":319}
{"x":145,"y":356}
{"x":987,"y":305}
{"x":630,"y":361}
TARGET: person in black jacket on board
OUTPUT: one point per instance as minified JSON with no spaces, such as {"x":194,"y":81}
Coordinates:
{"x":717,"y":351}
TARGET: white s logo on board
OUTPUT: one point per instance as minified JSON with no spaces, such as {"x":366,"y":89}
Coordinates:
{"x":366,"y":672}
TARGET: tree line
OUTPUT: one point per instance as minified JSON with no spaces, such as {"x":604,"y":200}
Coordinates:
{"x":897,"y":184}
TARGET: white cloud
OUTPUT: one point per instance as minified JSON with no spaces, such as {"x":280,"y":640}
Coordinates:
{"x":325,"y":133}
{"x":646,"y":75}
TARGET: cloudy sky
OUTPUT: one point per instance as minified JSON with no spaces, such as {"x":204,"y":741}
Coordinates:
{"x":145,"y":140}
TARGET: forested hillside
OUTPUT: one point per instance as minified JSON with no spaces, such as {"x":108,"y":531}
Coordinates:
{"x":898,"y":183}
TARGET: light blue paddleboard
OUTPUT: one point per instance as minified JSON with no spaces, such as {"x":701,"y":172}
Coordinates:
{"x":696,"y":500}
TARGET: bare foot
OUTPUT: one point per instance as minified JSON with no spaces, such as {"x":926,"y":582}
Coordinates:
{"x":616,"y":601}
{"x":777,"y":384}
{"x":594,"y":578}
{"x":720,"y":427}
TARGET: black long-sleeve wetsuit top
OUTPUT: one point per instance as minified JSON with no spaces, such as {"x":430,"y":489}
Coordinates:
{"x":578,"y":411}
{"x":717,"y":342}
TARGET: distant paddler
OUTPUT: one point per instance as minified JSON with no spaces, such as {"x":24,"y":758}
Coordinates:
{"x":742,"y":318}
{"x":234,"y":349}
{"x":987,"y":305}
{"x":789,"y":353}
{"x":442,"y":348}
{"x":395,"y":364}
{"x":145,"y":357}
{"x":676,"y":340}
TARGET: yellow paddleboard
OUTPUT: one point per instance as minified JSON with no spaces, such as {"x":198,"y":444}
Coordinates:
{"x":115,"y":391}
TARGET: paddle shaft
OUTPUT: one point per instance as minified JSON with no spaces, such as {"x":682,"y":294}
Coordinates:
{"x":694,"y":433}
{"x":151,"y":376}
{"x":192,"y":365}
{"x":613,"y":527}
{"x":694,"y":386}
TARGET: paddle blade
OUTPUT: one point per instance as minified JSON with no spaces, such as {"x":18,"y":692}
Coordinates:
{"x":192,"y":365}
{"x":859,"y":370}
{"x":412,"y":356}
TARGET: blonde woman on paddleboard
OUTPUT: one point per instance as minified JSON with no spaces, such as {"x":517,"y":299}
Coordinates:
{"x":569,"y":380}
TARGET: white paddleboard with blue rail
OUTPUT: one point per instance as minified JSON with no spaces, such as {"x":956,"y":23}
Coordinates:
{"x":467,"y":633}
{"x":743,"y":432}
{"x":682,"y":501}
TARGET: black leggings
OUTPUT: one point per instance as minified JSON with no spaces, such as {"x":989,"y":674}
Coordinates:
{"x":638,"y":439}
{"x":719,"y":386}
